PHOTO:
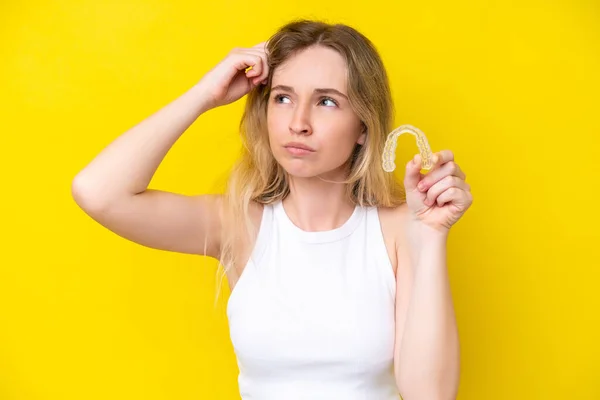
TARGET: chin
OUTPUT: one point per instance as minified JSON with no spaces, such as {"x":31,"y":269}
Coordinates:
{"x":299,"y":169}
{"x":303,"y":169}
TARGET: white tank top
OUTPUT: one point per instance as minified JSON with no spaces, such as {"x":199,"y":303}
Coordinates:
{"x":312,"y":315}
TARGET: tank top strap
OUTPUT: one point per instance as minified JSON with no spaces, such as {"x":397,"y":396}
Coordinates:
{"x":264,"y":233}
{"x":377,"y":241}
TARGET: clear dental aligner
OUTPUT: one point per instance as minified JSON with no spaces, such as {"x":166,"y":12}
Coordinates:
{"x":389,"y":152}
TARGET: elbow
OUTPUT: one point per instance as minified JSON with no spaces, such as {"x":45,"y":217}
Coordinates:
{"x":87,"y":195}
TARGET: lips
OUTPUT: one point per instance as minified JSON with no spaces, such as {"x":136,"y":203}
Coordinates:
{"x":298,"y":145}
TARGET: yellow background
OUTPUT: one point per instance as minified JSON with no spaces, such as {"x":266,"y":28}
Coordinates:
{"x":510,"y":87}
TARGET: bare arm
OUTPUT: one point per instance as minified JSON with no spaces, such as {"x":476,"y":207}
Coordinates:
{"x":112,"y":188}
{"x":427,"y":353}
{"x":126,"y":166}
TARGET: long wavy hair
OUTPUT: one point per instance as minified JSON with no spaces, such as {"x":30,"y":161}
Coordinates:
{"x":258,"y":177}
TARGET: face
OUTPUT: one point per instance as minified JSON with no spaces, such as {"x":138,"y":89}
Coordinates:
{"x":308,"y":106}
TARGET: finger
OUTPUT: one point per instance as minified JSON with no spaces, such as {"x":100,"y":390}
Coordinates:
{"x":435,"y":175}
{"x":413,"y":173}
{"x":259,"y":73}
{"x":448,"y":196}
{"x":255,"y":66}
{"x":247,"y":61}
{"x":456,"y":196}
{"x":440,"y":187}
{"x":442,"y":157}
{"x":262,"y":46}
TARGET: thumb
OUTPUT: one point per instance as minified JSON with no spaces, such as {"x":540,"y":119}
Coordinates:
{"x":413,"y":173}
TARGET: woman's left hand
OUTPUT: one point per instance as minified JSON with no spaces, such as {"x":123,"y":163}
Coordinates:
{"x":439,"y":198}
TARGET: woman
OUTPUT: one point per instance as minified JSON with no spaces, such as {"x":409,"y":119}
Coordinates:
{"x":343,"y":292}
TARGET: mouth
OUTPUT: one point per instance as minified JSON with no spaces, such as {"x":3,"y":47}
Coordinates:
{"x":298,"y":146}
{"x":298,"y":150}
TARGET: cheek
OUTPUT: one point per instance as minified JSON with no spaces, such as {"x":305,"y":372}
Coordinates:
{"x":336,"y":149}
{"x":342,"y":137}
{"x":276,"y":124}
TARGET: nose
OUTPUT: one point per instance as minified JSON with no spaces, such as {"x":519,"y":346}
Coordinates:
{"x":300,"y":123}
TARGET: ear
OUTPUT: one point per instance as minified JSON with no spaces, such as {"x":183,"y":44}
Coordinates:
{"x":362,"y":138}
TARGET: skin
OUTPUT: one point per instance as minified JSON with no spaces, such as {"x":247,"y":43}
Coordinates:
{"x":323,"y":121}
{"x":426,"y":354}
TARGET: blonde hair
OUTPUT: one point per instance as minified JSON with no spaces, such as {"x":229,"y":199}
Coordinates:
{"x":258,"y":177}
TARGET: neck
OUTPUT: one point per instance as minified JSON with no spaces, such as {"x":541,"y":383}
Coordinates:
{"x":315,"y":205}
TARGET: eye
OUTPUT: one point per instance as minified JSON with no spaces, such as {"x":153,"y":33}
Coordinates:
{"x":279,"y":97}
{"x":329,"y":99}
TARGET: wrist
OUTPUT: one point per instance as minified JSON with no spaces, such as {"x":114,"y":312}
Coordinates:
{"x":202,"y":97}
{"x":425,"y":233}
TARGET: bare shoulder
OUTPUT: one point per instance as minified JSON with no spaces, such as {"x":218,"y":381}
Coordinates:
{"x":256,"y":210}
{"x":394,"y":215}
{"x":393,"y":220}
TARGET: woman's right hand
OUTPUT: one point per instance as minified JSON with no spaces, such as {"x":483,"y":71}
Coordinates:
{"x":228,"y":81}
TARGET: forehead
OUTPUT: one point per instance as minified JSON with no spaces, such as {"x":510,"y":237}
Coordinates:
{"x":315,"y":66}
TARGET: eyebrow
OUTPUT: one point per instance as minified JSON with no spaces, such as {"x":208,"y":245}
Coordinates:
{"x":318,"y":90}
